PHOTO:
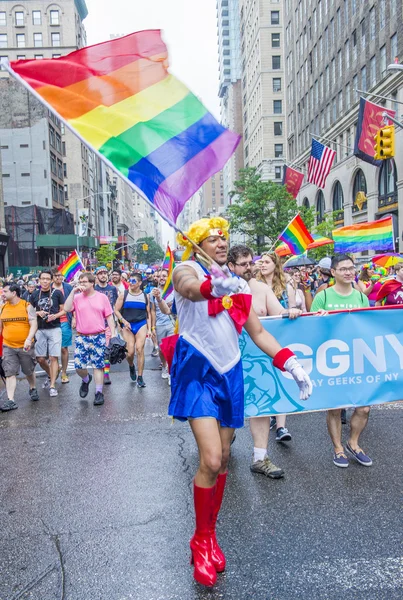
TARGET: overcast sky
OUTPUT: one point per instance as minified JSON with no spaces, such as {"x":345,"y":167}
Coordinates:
{"x":189,"y":30}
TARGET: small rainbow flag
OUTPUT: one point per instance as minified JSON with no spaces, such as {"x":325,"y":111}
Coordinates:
{"x":169,"y":265}
{"x":282,"y":250}
{"x":122,"y":101}
{"x":296,"y":236}
{"x":71,"y":265}
{"x":375,"y":235}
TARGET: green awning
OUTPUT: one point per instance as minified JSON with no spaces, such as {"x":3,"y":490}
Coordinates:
{"x":65,"y":241}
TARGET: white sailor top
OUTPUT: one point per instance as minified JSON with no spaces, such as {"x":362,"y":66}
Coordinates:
{"x":214,"y":337}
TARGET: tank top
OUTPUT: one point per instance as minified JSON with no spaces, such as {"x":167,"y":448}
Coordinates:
{"x":134,"y":308}
{"x":15,"y":324}
{"x":214,"y":337}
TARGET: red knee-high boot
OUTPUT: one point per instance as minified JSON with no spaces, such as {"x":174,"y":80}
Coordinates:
{"x":217,"y":555}
{"x":200,"y":544}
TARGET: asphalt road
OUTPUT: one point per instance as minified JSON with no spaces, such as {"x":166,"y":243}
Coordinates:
{"x":95,"y":504}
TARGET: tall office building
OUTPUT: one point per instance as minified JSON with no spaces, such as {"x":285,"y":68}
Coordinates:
{"x":230,"y":87}
{"x":264,"y":128}
{"x":334,"y":48}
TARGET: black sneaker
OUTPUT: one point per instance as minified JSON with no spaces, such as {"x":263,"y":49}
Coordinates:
{"x":283,"y":435}
{"x":99,"y":399}
{"x":132,"y":370}
{"x":140,"y":382}
{"x":33,"y":392}
{"x":8,"y":405}
{"x":273,"y":422}
{"x":84,"y":387}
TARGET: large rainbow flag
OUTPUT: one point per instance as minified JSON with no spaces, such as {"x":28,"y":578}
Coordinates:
{"x":375,"y":235}
{"x":296,"y":236}
{"x":169,"y":265}
{"x":71,"y":265}
{"x":122,"y":101}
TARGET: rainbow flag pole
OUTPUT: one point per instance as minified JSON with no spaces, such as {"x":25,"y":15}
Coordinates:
{"x":71,"y":265}
{"x":296,"y":236}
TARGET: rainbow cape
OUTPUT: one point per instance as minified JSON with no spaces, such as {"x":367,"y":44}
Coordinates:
{"x":375,"y":235}
{"x":71,"y":265}
{"x":296,"y":236}
{"x":169,"y":265}
{"x":122,"y":101}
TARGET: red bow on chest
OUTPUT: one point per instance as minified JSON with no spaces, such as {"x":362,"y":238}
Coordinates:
{"x":238,"y":307}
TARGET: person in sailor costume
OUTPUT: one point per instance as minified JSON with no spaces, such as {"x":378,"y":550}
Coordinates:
{"x":206,"y":374}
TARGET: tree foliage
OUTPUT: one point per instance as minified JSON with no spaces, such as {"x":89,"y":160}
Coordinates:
{"x":106,"y":254}
{"x":262,"y":209}
{"x":325,"y":229}
{"x":152,"y":255}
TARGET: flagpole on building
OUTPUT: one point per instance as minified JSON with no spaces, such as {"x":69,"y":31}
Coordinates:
{"x":322,"y":137}
{"x":378,"y":96}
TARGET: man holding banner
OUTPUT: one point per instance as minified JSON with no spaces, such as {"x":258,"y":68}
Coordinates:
{"x":342,"y":296}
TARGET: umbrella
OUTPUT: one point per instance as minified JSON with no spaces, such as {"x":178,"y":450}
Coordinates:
{"x":319,"y":240}
{"x":298,"y":261}
{"x":387,"y":260}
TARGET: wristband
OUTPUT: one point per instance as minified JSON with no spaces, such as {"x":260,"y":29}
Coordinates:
{"x":152,"y":328}
{"x":205,"y":290}
{"x":281,"y":358}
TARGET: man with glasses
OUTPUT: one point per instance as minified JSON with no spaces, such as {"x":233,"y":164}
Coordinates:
{"x":49,"y":306}
{"x":265,"y":304}
{"x":66,"y":322}
{"x":343,"y":296}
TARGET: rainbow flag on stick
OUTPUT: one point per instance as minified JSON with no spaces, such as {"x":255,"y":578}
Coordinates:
{"x":169,"y":265}
{"x":375,"y":235}
{"x":296,"y":236}
{"x":122,"y":102}
{"x":71,"y":265}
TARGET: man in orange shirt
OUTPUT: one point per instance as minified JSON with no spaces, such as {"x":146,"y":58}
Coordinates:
{"x":18,"y":325}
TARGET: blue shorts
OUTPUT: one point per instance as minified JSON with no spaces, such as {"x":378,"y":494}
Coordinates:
{"x":135,"y":327}
{"x":90,"y":351}
{"x":198,"y":390}
{"x":67,"y":335}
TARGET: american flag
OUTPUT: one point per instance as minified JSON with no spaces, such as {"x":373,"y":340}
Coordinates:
{"x":320,"y":163}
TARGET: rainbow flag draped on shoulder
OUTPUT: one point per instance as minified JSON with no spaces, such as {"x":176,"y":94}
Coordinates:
{"x":169,"y":265}
{"x":296,"y":236}
{"x":375,"y":235}
{"x":122,"y":101}
{"x":71,"y":265}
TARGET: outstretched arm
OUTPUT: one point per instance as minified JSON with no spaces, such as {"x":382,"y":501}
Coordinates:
{"x":187,"y":284}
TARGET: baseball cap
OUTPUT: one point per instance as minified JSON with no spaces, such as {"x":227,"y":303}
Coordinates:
{"x":101,"y":268}
{"x":325,"y":263}
{"x":148,"y":271}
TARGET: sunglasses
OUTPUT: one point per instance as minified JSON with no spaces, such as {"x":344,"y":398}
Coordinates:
{"x":133,"y":281}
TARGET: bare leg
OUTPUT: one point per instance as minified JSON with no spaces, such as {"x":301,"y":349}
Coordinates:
{"x":280,"y":421}
{"x":140,"y":341}
{"x":54,"y":370}
{"x":208,"y":438}
{"x":130,"y":345}
{"x":99,"y":376}
{"x":82,"y":373}
{"x":334,"y":428}
{"x":358,"y":422}
{"x":43,"y":362}
{"x":162,"y":359}
{"x":226,"y":435}
{"x":31,"y":381}
{"x":11,"y":384}
{"x":260,"y":430}
{"x":65,"y":360}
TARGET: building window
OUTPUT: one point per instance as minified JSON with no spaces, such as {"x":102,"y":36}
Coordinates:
{"x":36,"y":17}
{"x":277,"y":172}
{"x":347,"y":54}
{"x":56,"y":55}
{"x":20,"y":56}
{"x":372,"y":66}
{"x":38,"y":41}
{"x":3,"y":40}
{"x":3,"y":59}
{"x":278,"y":128}
{"x":338,"y":198}
{"x":320,"y":207}
{"x":393,"y":6}
{"x":55,"y":39}
{"x":38,"y":56}
{"x":275,"y":17}
{"x":355,"y":86}
{"x":3,"y":18}
{"x":278,"y":150}
{"x":382,"y":9}
{"x":305,"y":202}
{"x":275,"y":40}
{"x":348,"y":96}
{"x":382,"y":60}
{"x":19,"y":18}
{"x":372,"y":27}
{"x":360,"y":185}
{"x":20,"y":40}
{"x":363,"y":34}
{"x":277,"y":107}
{"x":25,"y":174}
{"x":364,"y":79}
{"x":276,"y":62}
{"x":276,"y":84}
{"x":387,"y":183}
{"x":393,"y":47}
{"x":54,"y":17}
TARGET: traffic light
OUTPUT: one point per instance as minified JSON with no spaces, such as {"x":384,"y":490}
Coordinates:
{"x":385,"y":143}
{"x":145,"y":247}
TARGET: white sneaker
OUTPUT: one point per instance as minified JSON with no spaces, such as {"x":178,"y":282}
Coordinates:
{"x":165,"y":373}
{"x":53,"y":392}
{"x":46,"y":383}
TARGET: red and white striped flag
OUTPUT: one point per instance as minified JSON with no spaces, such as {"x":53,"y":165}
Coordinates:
{"x":320,"y":163}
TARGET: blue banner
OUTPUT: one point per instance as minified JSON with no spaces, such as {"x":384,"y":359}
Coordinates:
{"x":353,"y":358}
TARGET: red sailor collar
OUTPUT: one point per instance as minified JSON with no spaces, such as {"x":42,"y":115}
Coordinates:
{"x":237,"y":305}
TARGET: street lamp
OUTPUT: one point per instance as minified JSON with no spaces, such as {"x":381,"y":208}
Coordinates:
{"x":77,"y":200}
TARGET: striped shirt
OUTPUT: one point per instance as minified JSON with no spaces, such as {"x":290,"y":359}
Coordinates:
{"x":134,"y":308}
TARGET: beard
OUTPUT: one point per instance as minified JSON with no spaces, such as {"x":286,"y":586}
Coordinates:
{"x":247,"y":275}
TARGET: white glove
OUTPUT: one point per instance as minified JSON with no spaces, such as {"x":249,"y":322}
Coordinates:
{"x":223,"y":283}
{"x":300,"y":377}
